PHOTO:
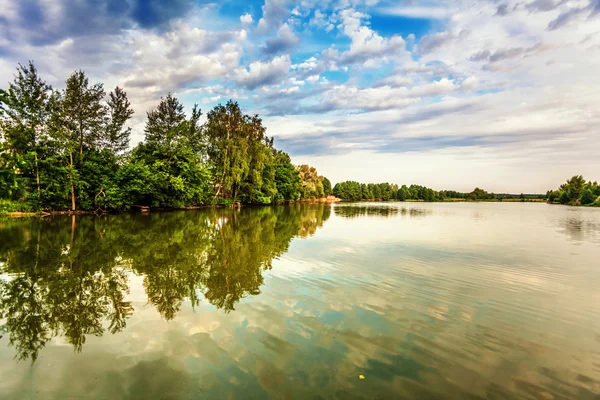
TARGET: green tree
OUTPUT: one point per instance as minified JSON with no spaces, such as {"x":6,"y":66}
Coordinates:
{"x":287,"y":180}
{"x":24,"y":119}
{"x":116,"y":135}
{"x":587,"y":196}
{"x":326,"y":186}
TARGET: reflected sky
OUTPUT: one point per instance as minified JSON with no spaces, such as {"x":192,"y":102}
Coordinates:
{"x":477,"y":300}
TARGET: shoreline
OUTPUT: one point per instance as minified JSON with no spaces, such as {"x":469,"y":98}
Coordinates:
{"x":147,"y":209}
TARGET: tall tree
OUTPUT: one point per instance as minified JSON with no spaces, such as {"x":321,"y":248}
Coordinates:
{"x":83,"y":110}
{"x":164,"y":123}
{"x":26,"y":112}
{"x":227,"y":136}
{"x":326,"y":186}
{"x":116,"y":136}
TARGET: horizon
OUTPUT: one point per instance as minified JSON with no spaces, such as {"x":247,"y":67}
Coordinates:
{"x":448,"y":95}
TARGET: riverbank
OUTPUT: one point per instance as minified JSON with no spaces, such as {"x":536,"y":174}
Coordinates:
{"x":148,"y":209}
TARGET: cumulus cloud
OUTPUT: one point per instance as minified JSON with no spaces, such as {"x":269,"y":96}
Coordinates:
{"x":432,"y":42}
{"x":274,"y":12}
{"x":366,"y":45}
{"x":246,"y":19}
{"x":48,"y":22}
{"x":261,"y":73}
{"x":285,"y":40}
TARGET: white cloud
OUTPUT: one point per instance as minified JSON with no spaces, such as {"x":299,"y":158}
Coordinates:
{"x":367,"y":46}
{"x":246,"y":19}
{"x":309,"y":64}
{"x":419,"y":12}
{"x":285,"y":40}
{"x":263,"y":73}
{"x":274,"y":12}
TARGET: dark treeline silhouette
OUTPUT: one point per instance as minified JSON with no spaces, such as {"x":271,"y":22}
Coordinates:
{"x":70,"y":275}
{"x":69,"y":150}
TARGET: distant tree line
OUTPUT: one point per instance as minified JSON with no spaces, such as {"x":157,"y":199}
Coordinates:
{"x":355,"y":191}
{"x":69,"y":150}
{"x":576,"y":191}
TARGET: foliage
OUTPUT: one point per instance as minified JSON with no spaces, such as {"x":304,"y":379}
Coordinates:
{"x":576,"y":191}
{"x":311,"y":183}
{"x":67,"y":150}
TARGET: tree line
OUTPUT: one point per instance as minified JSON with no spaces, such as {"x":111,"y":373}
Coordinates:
{"x":355,"y":191}
{"x":576,"y":191}
{"x":69,"y":150}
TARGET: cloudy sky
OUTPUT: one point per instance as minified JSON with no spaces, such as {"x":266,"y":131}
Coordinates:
{"x":449,"y":94}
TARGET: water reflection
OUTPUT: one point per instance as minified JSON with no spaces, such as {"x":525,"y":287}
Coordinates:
{"x":385,"y":211}
{"x":580,"y":228}
{"x":69,"y":276}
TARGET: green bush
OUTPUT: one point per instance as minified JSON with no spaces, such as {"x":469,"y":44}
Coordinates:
{"x":8,"y":206}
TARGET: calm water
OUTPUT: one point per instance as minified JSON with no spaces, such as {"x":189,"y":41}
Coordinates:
{"x":427,"y":301}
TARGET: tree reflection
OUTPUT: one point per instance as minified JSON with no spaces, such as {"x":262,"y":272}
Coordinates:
{"x":68,"y":276}
{"x":355,"y":211}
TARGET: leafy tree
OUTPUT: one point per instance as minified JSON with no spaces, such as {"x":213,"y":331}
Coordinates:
{"x":228,"y":132}
{"x":24,"y":119}
{"x":326,"y":186}
{"x":587,"y":196}
{"x":311,"y":184}
{"x":83,"y":112}
{"x":287,"y":179}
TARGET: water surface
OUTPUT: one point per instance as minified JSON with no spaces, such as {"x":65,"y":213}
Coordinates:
{"x":428,"y":301}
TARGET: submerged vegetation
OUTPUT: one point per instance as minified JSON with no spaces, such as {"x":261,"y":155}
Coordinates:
{"x":68,"y":150}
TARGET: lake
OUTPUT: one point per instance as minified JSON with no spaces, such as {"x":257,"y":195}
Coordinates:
{"x":350,"y":301}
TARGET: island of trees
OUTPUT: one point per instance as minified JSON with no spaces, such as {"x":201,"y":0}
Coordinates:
{"x":69,"y":150}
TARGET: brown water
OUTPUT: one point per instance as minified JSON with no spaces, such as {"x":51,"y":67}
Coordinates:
{"x":428,"y":301}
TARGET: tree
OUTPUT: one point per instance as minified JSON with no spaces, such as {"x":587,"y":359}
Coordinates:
{"x":164,"y":123}
{"x":311,"y":184}
{"x":403,"y":193}
{"x":116,"y":136}
{"x":326,"y":186}
{"x":25,"y":115}
{"x":228,"y":132}
{"x":287,"y":180}
{"x":573,"y":187}
{"x":587,"y":196}
{"x":180,"y":178}
{"x":83,"y":111}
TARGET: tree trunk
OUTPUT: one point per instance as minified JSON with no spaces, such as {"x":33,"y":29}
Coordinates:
{"x":225,"y":161}
{"x":71,"y":181}
{"x":37,"y":177}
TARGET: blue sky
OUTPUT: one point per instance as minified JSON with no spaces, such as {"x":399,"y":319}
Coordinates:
{"x":500,"y":94}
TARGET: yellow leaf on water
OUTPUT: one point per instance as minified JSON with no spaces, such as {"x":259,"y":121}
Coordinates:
{"x":361,"y":377}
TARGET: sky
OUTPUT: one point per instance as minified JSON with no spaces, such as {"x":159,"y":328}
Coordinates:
{"x":500,"y":94}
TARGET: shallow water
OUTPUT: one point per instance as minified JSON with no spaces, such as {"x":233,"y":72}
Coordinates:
{"x":456,"y":301}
